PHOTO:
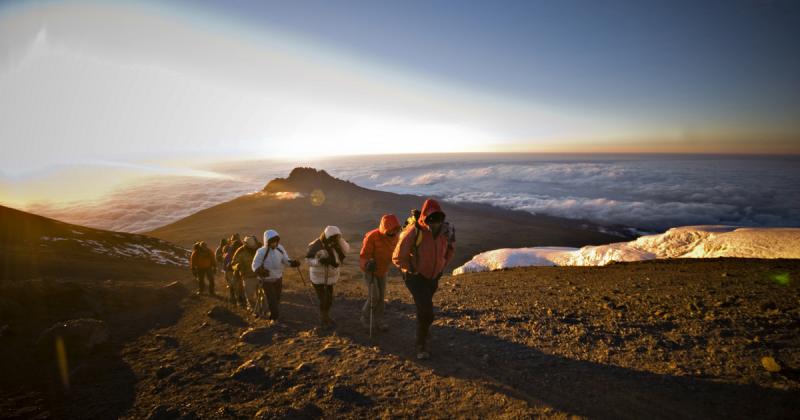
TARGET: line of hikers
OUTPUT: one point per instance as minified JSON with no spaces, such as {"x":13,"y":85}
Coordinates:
{"x":421,"y":249}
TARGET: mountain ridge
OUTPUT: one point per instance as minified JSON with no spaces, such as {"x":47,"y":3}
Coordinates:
{"x":302,"y":204}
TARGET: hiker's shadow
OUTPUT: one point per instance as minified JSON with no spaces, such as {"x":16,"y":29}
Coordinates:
{"x":574,"y":386}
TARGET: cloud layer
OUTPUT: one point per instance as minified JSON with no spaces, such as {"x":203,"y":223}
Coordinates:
{"x":647,"y":193}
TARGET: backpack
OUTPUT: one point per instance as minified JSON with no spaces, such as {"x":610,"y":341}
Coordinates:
{"x":447,"y":229}
{"x":412,"y":220}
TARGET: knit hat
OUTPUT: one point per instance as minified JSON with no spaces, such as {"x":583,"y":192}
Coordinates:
{"x":250,"y":241}
{"x":331,"y":231}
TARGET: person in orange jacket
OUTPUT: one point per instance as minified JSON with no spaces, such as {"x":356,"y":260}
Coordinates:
{"x":375,"y":259}
{"x":423,"y":251}
{"x":203,"y":266}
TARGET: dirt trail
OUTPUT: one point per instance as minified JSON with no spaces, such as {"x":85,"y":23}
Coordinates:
{"x":659,"y":340}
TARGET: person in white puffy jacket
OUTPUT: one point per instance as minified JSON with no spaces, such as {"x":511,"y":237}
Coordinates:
{"x":268,"y":265}
{"x":324,"y":256}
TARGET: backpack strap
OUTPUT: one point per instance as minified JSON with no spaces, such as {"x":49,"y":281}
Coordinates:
{"x":415,"y":247}
{"x":264,"y":258}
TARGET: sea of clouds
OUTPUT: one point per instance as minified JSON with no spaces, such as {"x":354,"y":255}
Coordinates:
{"x":651,"y":193}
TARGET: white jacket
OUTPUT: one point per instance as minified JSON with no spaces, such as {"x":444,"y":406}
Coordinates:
{"x":324,"y":274}
{"x":272,"y":259}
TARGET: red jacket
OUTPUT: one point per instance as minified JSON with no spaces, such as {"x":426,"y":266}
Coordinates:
{"x":432,"y":254}
{"x":378,"y":246}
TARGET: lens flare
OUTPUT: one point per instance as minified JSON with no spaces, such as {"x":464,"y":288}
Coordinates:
{"x":781,"y":278}
{"x":63,"y":367}
{"x":317,"y":198}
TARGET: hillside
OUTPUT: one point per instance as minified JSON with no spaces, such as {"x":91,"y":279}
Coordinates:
{"x":288,"y":205}
{"x":33,"y":246}
{"x":658,"y":339}
{"x":53,"y":272}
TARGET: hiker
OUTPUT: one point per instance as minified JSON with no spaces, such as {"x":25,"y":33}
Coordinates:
{"x":324,"y":256}
{"x":268,"y":265}
{"x":423,"y":251}
{"x":203,"y":267}
{"x":375,"y":258}
{"x":235,"y":288}
{"x":219,"y":254}
{"x":242,"y":265}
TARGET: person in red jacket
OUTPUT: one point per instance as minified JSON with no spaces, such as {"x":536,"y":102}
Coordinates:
{"x":423,"y":251}
{"x":203,"y":266}
{"x":375,"y":258}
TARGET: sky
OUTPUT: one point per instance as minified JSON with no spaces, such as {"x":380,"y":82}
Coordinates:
{"x":125,"y":88}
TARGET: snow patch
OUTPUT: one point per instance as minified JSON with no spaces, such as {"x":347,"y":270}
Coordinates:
{"x":52,"y":239}
{"x":287,"y":195}
{"x":711,"y":241}
{"x":175,"y":256}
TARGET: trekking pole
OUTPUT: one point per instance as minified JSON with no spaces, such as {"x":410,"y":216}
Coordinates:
{"x":303,"y":281}
{"x":371,"y":306}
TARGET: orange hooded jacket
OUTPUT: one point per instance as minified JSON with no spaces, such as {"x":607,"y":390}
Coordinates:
{"x":378,"y":246}
{"x":432,"y":254}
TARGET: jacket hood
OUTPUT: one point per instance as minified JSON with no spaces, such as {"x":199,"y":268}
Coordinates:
{"x":269,"y":234}
{"x":428,"y":208}
{"x":331,"y":231}
{"x":388,"y":222}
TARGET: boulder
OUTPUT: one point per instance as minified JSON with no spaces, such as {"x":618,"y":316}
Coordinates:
{"x":175,"y":288}
{"x":350,"y":395}
{"x":249,"y":371}
{"x":163,"y":412}
{"x":222,"y":314}
{"x":257,"y":336}
{"x":164,"y":371}
{"x":770,"y":364}
{"x":79,"y":336}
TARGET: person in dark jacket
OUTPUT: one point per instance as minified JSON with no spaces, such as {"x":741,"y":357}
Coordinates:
{"x":203,"y":267}
{"x":219,"y":254}
{"x":234,"y":283}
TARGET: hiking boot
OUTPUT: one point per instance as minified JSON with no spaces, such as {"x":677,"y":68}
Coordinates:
{"x":326,"y":321}
{"x":422,"y":352}
{"x":330,"y":322}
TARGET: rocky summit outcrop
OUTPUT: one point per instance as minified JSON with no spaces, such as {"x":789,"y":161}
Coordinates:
{"x":306,"y":180}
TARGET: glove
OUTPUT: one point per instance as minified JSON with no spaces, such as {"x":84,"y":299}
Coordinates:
{"x":370,"y":265}
{"x":294,"y":263}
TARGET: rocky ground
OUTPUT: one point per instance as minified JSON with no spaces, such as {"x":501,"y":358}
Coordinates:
{"x":660,"y":339}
